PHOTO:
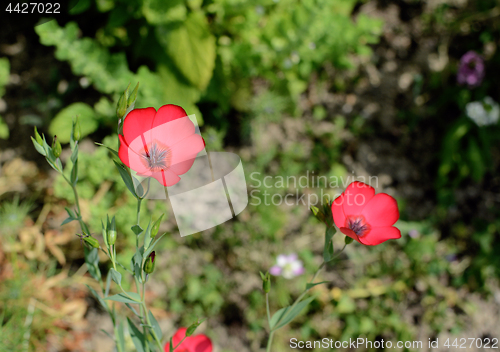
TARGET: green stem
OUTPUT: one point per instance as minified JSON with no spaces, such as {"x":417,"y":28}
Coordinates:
{"x":144,"y":311}
{"x":297,"y":301}
{"x":270,"y":341}
{"x":271,"y":332}
{"x":268,"y":312}
{"x":153,"y":332}
{"x":173,"y":349}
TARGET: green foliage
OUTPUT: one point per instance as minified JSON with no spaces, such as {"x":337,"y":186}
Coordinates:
{"x":62,"y":124}
{"x":192,"y":48}
{"x":4,"y":79}
{"x":13,"y":215}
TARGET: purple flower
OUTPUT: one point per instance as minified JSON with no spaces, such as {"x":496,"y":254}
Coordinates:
{"x":471,"y":69}
{"x":413,"y":233}
{"x":287,"y":266}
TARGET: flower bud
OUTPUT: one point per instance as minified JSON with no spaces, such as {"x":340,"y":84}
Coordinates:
{"x":156,"y":227}
{"x":38,"y":138}
{"x":121,"y":107}
{"x":112,"y":232}
{"x":192,"y":328}
{"x":133,"y":96}
{"x":56,"y":147}
{"x":149,"y":266}
{"x":91,"y":241}
{"x":266,"y":282}
{"x":348,"y":240}
{"x":318,"y":213}
{"x":77,"y":130}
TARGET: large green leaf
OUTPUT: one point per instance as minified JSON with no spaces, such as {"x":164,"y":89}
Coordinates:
{"x":62,"y":124}
{"x":4,"y":129}
{"x":4,"y":74}
{"x":161,"y":11}
{"x":191,"y":47}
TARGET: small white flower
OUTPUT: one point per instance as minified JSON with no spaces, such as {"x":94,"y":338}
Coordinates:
{"x":484,"y":112}
{"x":287,"y":266}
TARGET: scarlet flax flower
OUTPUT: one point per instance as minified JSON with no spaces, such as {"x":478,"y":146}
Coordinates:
{"x":196,"y":343}
{"x":364,"y":216}
{"x":160,"y":144}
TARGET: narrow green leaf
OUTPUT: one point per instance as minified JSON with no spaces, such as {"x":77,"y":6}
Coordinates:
{"x":121,"y":297}
{"x":48,"y":149}
{"x":309,"y":286}
{"x":74,"y":173}
{"x":147,"y":235}
{"x":137,"y":229}
{"x":108,"y":285}
{"x":127,"y":179}
{"x":153,"y":245}
{"x":171,"y":345}
{"x":137,"y":272}
{"x":121,"y":336}
{"x":328,"y":248}
{"x":68,"y":220}
{"x":139,"y":190}
{"x":107,"y":333}
{"x":53,"y":165}
{"x":156,"y":326}
{"x":92,"y":260}
{"x":104,"y":235}
{"x":74,"y":155}
{"x":38,"y":147}
{"x":85,"y":229}
{"x":70,"y":213}
{"x":116,"y":276}
{"x":284,"y":317}
{"x":137,"y":336}
{"x":99,"y":298}
{"x":59,"y":164}
{"x":114,"y":152}
{"x":132,"y":309}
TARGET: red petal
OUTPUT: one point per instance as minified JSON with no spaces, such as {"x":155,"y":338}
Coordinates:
{"x":200,"y":343}
{"x":377,"y":235}
{"x":186,"y":149}
{"x":338,"y":211}
{"x":356,"y":196}
{"x":168,"y":113}
{"x":137,"y":122}
{"x":173,"y":132}
{"x":123,"y":151}
{"x":182,"y":167}
{"x":350,"y":233}
{"x":382,"y":210}
{"x":166,"y":177}
{"x":178,"y":336}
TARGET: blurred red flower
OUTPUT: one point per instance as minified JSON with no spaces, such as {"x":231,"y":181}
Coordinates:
{"x":197,"y":343}
{"x":364,"y":216}
{"x":160,"y":144}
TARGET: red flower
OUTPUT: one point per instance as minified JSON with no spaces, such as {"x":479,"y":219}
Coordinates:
{"x":197,"y":343}
{"x":160,"y":144}
{"x":364,"y":216}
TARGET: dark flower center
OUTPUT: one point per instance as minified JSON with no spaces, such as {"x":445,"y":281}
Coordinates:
{"x":472,"y":64}
{"x":156,"y":156}
{"x":358,"y":224}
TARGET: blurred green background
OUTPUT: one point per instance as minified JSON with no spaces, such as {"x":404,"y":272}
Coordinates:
{"x":335,"y":88}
